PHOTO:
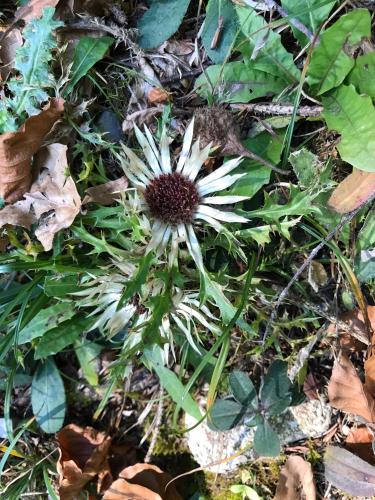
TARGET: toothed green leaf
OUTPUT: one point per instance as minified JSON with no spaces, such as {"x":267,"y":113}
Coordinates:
{"x":29,"y":88}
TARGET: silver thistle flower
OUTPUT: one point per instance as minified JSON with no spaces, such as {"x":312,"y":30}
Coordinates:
{"x":176,"y":198}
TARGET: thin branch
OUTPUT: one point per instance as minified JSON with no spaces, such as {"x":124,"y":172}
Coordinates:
{"x":157,"y":423}
{"x":347,"y":218}
{"x":271,"y":108}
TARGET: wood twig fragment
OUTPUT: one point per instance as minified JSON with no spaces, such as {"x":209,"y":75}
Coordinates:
{"x":156,"y":425}
{"x":270,"y":108}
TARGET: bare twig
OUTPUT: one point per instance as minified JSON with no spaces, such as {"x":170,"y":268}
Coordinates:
{"x":156,"y":425}
{"x":347,"y":218}
{"x":270,"y":108}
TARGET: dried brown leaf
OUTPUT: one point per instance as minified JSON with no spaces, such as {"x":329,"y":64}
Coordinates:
{"x":348,"y":472}
{"x":34,"y":8}
{"x":359,"y":442}
{"x":106,"y":194}
{"x":53,"y":193}
{"x":296,"y":481}
{"x":143,"y":482}
{"x":17,"y":149}
{"x":347,"y":393}
{"x":56,"y":193}
{"x":352,"y":191}
{"x":8,"y":47}
{"x":355,"y":322}
{"x":157,"y":95}
{"x":83,"y":455}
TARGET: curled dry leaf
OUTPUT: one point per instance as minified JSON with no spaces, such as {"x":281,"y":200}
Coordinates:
{"x":348,"y":472}
{"x":296,"y":480}
{"x":53,"y":194}
{"x":17,"y":149}
{"x":83,"y":455}
{"x":350,"y":340}
{"x":157,"y":95}
{"x":34,"y":8}
{"x":143,"y":482}
{"x":359,"y":442}
{"x":106,"y":194}
{"x":354,"y":190}
{"x":8,"y":47}
{"x":347,"y":393}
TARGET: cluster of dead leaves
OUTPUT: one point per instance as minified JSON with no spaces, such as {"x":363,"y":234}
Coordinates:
{"x":348,"y":393}
{"x":87,"y":455}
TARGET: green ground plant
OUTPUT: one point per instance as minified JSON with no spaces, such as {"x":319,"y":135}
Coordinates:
{"x":169,"y":294}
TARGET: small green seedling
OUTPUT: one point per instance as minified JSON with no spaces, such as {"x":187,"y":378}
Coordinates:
{"x":276,"y":394}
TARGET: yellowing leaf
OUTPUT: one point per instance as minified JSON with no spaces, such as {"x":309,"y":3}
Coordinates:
{"x":354,"y":190}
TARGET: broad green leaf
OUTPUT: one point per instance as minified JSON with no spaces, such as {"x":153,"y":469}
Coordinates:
{"x":331,"y":61}
{"x":245,"y":491}
{"x":48,"y":397}
{"x":266,"y":146}
{"x":243,"y":389}
{"x":349,"y":473}
{"x":161,"y":21}
{"x":311,"y":13}
{"x":363,"y":74}
{"x":225,"y":414}
{"x":353,"y":117}
{"x":87,"y":53}
{"x":275,"y":393}
{"x":60,"y":286}
{"x":214,"y":10}
{"x":171,"y":383}
{"x":237,"y":81}
{"x":64,"y":334}
{"x":266,"y":441}
{"x":88,"y":356}
{"x":271,"y":57}
{"x":45,"y":320}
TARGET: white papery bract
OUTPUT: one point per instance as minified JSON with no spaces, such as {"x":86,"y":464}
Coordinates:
{"x":176,"y":198}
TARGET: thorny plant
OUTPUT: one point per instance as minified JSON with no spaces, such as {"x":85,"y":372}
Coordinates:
{"x":160,"y":277}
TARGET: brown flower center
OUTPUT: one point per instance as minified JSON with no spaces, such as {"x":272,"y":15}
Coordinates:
{"x":172,"y":198}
